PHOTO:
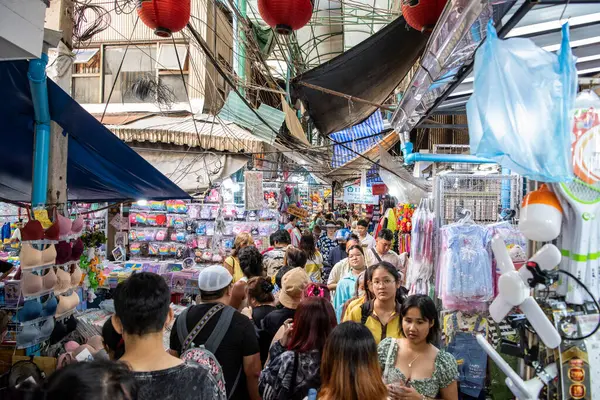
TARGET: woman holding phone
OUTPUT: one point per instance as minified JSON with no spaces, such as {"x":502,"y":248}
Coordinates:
{"x":413,"y":368}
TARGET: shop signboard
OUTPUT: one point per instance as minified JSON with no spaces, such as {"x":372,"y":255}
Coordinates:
{"x":379,"y":189}
{"x":353,"y":195}
{"x":297,"y":211}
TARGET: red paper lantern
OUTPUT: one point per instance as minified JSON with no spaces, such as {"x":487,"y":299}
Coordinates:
{"x":423,"y":14}
{"x":164,"y":16}
{"x":285,"y":15}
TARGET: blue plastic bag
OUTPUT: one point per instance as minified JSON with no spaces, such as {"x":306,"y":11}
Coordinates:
{"x":520,"y":111}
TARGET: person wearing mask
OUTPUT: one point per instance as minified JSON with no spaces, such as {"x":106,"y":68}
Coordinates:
{"x":232,"y":263}
{"x":314,"y":259}
{"x":142,"y":313}
{"x":413,"y":368}
{"x":295,"y":355}
{"x":238,"y":352}
{"x":293,"y":284}
{"x":327,"y":241}
{"x":342,"y":268}
{"x":382,"y":314}
{"x":113,"y":341}
{"x":362,"y":294}
{"x":366,"y":240}
{"x":347,"y":284}
{"x":273,"y":260}
{"x":349,"y":366}
{"x":381,"y":252}
{"x":250,"y":261}
{"x":92,"y":380}
{"x":292,"y":229}
{"x":338,"y":253}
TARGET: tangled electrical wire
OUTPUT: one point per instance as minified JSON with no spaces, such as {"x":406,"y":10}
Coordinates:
{"x":125,"y":6}
{"x":88,"y":21}
{"x":147,"y":88}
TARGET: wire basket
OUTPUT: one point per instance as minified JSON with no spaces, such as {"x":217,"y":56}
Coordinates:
{"x":485,"y":196}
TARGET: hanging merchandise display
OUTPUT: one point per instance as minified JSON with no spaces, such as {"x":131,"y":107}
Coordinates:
{"x":285,"y":16}
{"x":253,"y":190}
{"x":423,"y":14}
{"x":164,"y":16}
{"x":523,"y":129}
{"x":420,"y":268}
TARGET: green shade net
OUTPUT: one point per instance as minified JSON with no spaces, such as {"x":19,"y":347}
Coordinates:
{"x":236,"y":111}
{"x":265,"y":37}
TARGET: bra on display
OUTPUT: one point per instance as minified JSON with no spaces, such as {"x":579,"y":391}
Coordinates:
{"x":36,"y":282}
{"x":67,"y":303}
{"x":77,"y":250}
{"x":32,"y":258}
{"x":68,"y":228}
{"x":34,"y":333}
{"x":63,"y":281}
{"x":38,"y":308}
{"x":63,"y":252}
{"x":75,"y":275}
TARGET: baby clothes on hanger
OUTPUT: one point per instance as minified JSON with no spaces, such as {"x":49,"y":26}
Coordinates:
{"x":467,"y":280}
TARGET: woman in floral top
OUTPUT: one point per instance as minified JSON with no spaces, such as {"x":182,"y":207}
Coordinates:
{"x":295,"y":355}
{"x":413,"y":368}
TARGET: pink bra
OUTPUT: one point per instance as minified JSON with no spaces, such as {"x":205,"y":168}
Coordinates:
{"x":67,"y":303}
{"x":32,"y":284}
{"x":68,"y":229}
{"x":31,"y":257}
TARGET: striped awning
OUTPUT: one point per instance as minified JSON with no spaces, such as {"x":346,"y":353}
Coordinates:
{"x":359,"y":138}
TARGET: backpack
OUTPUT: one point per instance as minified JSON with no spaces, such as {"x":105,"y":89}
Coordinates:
{"x":203,"y":355}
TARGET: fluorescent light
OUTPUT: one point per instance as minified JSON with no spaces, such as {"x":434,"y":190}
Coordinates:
{"x":142,"y":203}
{"x":551,"y":25}
{"x":575,"y":43}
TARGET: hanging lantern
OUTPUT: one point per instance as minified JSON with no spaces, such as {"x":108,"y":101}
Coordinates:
{"x":164,"y":16}
{"x":422,"y":14}
{"x":285,"y":15}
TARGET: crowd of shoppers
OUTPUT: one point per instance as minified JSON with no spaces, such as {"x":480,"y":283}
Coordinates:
{"x":315,"y":311}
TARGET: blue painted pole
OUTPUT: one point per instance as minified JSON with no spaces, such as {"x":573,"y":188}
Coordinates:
{"x":505,"y":191}
{"x":41,"y":153}
{"x":447,"y":158}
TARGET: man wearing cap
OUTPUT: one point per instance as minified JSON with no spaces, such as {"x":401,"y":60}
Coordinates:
{"x":293,"y":284}
{"x":338,"y":253}
{"x":238,"y":352}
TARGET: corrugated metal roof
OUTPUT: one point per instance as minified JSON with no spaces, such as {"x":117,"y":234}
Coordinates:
{"x":221,"y":136}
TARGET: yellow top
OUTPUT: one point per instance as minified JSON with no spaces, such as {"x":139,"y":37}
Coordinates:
{"x":354,"y":303}
{"x":237,"y":270}
{"x":379,"y":331}
{"x":313,"y":267}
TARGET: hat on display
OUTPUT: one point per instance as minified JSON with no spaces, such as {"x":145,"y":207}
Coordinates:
{"x":293,"y":284}
{"x":342,"y":234}
{"x":214,"y":278}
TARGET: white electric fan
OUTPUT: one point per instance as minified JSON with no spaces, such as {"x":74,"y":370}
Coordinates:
{"x":514,"y":289}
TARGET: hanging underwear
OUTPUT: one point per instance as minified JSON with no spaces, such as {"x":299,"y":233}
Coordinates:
{"x":67,"y":303}
{"x":32,"y":258}
{"x":37,"y":308}
{"x":32,"y":283}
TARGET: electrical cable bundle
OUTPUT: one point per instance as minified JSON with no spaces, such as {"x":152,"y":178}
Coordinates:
{"x":88,"y":21}
{"x":146,"y":88}
{"x":125,"y":6}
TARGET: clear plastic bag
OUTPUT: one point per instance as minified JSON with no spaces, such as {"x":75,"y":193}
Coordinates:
{"x":520,"y":111}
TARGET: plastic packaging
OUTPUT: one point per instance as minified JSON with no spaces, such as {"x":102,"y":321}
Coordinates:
{"x":520,"y":111}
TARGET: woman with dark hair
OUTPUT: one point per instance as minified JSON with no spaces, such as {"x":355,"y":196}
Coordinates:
{"x":314,"y":259}
{"x":349,"y":369}
{"x":260,"y":299}
{"x":345,"y":287}
{"x":250,"y":262}
{"x":113,"y":341}
{"x":91,"y":380}
{"x":294,"y":258}
{"x":381,"y":314}
{"x":295,"y":355}
{"x":412,"y":366}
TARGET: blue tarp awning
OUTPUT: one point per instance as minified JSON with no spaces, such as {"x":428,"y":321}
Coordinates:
{"x":361,"y":136}
{"x":101,"y":167}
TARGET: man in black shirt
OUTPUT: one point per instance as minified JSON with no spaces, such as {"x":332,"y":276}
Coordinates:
{"x":293,"y":284}
{"x":142,"y":312}
{"x":238,"y":352}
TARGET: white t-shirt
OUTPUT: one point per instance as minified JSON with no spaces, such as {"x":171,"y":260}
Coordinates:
{"x":368,"y":242}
